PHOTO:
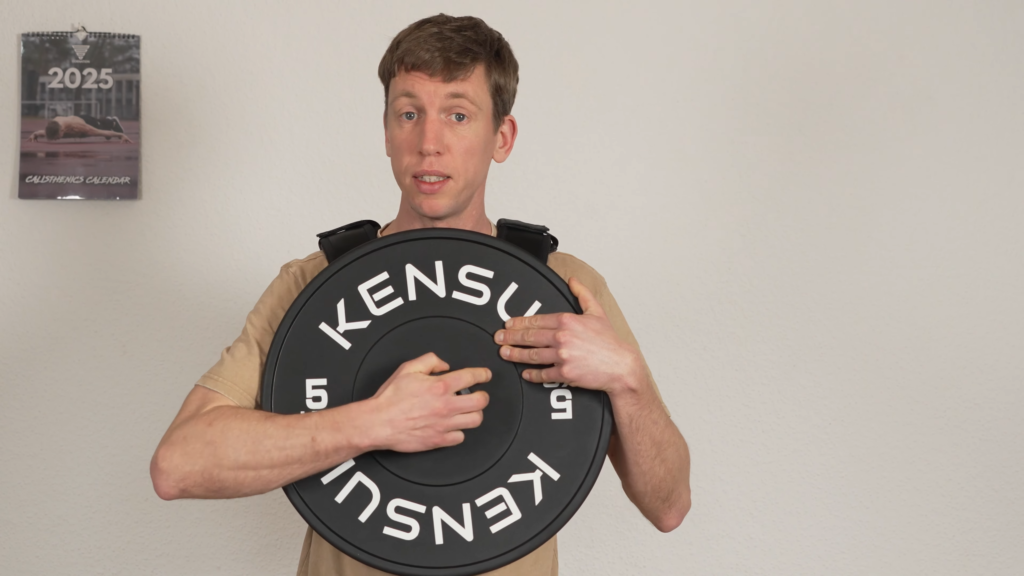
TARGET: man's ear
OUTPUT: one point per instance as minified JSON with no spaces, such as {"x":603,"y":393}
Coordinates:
{"x":506,"y":138}
{"x":387,"y":141}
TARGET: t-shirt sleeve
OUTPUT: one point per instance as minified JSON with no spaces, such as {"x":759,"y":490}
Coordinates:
{"x":239,"y":371}
{"x":569,"y":266}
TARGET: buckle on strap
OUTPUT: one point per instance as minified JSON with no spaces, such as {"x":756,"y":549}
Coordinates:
{"x":534,"y":238}
{"x":340,"y":240}
{"x":348,"y":227}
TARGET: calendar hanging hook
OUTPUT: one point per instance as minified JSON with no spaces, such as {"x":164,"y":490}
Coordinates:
{"x":80,"y":31}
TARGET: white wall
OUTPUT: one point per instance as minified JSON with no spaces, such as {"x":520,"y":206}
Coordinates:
{"x":810,"y":212}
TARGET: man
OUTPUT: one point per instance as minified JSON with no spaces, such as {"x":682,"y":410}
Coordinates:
{"x":82,"y":126}
{"x":449,"y":85}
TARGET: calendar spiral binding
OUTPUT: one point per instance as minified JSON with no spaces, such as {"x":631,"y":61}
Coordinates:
{"x":90,"y":35}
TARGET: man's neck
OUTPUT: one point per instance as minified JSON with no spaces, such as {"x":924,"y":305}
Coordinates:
{"x":475,"y":220}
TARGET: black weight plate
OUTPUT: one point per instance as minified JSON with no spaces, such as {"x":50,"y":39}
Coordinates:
{"x":514,"y":481}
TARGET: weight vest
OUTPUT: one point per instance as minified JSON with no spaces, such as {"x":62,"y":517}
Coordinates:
{"x":532,"y":238}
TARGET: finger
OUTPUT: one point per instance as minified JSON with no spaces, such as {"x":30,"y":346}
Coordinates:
{"x":468,"y":420}
{"x":467,"y":403}
{"x":546,"y":321}
{"x":530,"y":355}
{"x":426,"y":364}
{"x":587,"y":299}
{"x":526,"y":337}
{"x":452,"y":438}
{"x":542,"y":375}
{"x":461,"y":379}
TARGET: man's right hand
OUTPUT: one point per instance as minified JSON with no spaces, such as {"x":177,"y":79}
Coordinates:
{"x":216,"y":449}
{"x":416,"y":410}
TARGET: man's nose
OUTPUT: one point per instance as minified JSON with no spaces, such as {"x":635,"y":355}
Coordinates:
{"x":432,"y":138}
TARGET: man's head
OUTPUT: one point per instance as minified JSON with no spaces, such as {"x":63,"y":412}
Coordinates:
{"x":53,"y":130}
{"x":449,"y":86}
{"x":449,"y":48}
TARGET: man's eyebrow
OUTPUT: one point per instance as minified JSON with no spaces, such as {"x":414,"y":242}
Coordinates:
{"x":459,"y":95}
{"x":406,"y":94}
{"x":447,"y":96}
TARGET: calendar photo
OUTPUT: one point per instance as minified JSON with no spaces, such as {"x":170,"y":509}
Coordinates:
{"x":80,"y":134}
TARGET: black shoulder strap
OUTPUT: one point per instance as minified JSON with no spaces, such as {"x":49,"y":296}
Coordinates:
{"x":533,"y":238}
{"x":337,"y":242}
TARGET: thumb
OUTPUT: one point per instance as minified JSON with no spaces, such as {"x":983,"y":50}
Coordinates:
{"x":587,"y":299}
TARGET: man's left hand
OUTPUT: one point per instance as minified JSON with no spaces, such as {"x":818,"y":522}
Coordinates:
{"x":582,"y":349}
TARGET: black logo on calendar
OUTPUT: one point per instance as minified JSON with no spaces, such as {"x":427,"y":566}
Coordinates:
{"x":80,"y":110}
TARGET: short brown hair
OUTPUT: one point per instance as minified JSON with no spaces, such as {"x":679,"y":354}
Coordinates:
{"x":450,"y":48}
{"x":53,"y":130}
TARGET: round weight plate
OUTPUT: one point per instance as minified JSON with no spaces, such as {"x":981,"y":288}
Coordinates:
{"x":514,"y":481}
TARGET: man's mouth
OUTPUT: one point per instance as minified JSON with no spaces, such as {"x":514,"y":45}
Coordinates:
{"x":430,"y":181}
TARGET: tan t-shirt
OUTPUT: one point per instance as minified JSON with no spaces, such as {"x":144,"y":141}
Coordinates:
{"x":238,"y":373}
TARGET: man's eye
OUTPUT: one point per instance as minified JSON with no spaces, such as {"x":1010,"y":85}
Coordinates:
{"x":409,"y":115}
{"x":459,"y":117}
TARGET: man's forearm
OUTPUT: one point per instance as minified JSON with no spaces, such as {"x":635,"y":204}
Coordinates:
{"x":93,"y":131}
{"x":650,"y":456}
{"x":228,"y":451}
{"x":216,"y":449}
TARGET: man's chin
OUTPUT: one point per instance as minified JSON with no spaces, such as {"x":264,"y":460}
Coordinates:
{"x":436,"y":208}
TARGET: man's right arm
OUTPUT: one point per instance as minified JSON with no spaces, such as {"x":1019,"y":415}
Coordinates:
{"x":217,"y":449}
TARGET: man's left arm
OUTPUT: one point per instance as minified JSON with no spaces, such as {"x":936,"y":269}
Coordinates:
{"x":647,"y":450}
{"x":90,"y":131}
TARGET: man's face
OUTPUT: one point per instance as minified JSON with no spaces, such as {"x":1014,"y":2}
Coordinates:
{"x":440,"y":137}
